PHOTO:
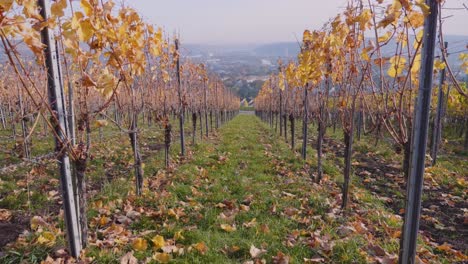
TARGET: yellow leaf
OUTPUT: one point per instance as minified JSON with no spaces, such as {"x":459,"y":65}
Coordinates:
{"x":416,"y":19}
{"x":365,"y":55}
{"x":30,"y":8}
{"x":158,"y":242}
{"x":178,"y":235}
{"x":37,"y":222}
{"x":281,"y":82}
{"x":166,"y":76}
{"x":397,"y":5}
{"x":228,"y":228}
{"x":6,"y":5}
{"x":106,"y":83}
{"x":140,"y":244}
{"x":418,"y":38}
{"x":103,"y":220}
{"x":439,"y":65}
{"x":389,"y":19}
{"x":46,"y":238}
{"x":401,"y":38}
{"x":201,"y":247}
{"x":416,"y":64}
{"x":397,"y":65}
{"x":162,"y":257}
{"x":444,"y":247}
{"x":87,"y":7}
{"x":34,"y":43}
{"x":75,"y":21}
{"x":424,"y":8}
{"x":364,"y":18}
{"x":101,"y":123}
{"x":98,"y":204}
{"x":462,"y":182}
{"x":307,"y":36}
{"x":386,"y":37}
{"x":58,"y":7}
{"x":85,"y":30}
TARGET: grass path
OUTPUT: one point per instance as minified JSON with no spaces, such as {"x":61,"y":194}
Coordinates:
{"x":242,"y":188}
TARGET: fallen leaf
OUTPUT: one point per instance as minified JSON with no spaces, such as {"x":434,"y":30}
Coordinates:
{"x":5,"y":215}
{"x":264,"y":228}
{"x":256,"y":252}
{"x":201,"y":247}
{"x":37,"y":222}
{"x":104,"y":220}
{"x":281,"y":258}
{"x":178,"y":235}
{"x":376,"y":250}
{"x":128,"y":259}
{"x":250,"y":224}
{"x":230,"y":250}
{"x":101,"y":123}
{"x":162,"y":257}
{"x":228,"y":228}
{"x":445,"y":247}
{"x":314,"y":260}
{"x":140,"y":244}
{"x":244,"y":208}
{"x":46,"y":238}
{"x":158,"y":242}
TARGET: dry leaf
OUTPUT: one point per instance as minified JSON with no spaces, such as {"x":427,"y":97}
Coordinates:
{"x":158,"y":242}
{"x":5,"y":215}
{"x":128,"y":259}
{"x":314,"y":260}
{"x":140,"y":244}
{"x":46,"y":238}
{"x":201,"y":247}
{"x":228,"y":228}
{"x":256,"y":252}
{"x":162,"y":257}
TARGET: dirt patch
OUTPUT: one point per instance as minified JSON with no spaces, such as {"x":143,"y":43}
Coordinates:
{"x":9,"y":231}
{"x":442,"y":217}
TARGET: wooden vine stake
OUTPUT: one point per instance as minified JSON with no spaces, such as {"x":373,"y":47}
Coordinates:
{"x":57,"y":103}
{"x":420,"y":134}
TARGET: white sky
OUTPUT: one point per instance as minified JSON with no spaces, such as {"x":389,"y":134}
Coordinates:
{"x":258,"y":21}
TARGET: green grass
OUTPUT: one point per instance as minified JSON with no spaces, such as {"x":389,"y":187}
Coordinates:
{"x":233,"y":180}
{"x":247,"y":108}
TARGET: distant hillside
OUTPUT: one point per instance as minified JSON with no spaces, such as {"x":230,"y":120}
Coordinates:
{"x":282,"y":49}
{"x":285,"y":49}
{"x":217,"y":50}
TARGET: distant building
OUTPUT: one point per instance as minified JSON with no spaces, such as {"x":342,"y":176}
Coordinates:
{"x":247,"y":103}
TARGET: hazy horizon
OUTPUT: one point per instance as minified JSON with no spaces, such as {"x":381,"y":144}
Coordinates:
{"x":252,"y":22}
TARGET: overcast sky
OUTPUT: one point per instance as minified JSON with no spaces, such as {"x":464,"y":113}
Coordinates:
{"x":257,"y":21}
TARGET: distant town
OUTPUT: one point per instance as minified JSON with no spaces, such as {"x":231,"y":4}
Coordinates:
{"x":244,"y":68}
